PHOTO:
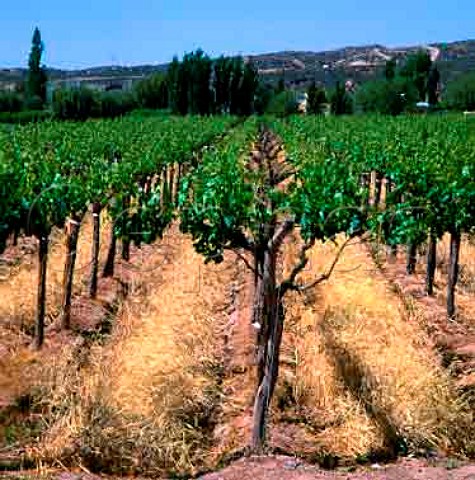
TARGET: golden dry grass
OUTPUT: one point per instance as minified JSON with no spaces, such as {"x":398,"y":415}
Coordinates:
{"x":364,"y":371}
{"x":20,"y":366}
{"x":19,"y":289}
{"x":172,"y":388}
{"x":149,"y":399}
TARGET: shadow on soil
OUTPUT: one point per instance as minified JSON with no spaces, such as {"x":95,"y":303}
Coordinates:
{"x":357,"y":379}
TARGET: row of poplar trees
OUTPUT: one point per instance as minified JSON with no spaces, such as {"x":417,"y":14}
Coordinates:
{"x":202,"y":86}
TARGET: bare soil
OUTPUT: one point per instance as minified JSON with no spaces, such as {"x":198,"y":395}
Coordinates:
{"x":287,"y":468}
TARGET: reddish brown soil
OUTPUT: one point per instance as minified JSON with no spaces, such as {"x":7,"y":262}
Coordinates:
{"x":287,"y":468}
{"x":234,"y":424}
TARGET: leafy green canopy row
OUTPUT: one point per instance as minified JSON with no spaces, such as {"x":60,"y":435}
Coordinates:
{"x":250,"y":202}
{"x":216,"y":201}
{"x":323,"y":197}
{"x":53,"y":170}
{"x":426,"y":163}
{"x":429,"y":161}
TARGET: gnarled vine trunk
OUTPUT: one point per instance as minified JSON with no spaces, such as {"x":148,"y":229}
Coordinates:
{"x":269,"y":345}
{"x":411,"y":258}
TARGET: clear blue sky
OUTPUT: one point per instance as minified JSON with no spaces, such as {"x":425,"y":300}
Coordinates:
{"x":81,"y":33}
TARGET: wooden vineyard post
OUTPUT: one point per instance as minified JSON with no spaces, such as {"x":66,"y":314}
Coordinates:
{"x":41,"y":299}
{"x":453,"y":272}
{"x":110,"y":261}
{"x":390,"y":187}
{"x":431,"y":262}
{"x":125,"y":229}
{"x":378,"y":188}
{"x":176,"y":183}
{"x":372,"y":189}
{"x":163,"y":186}
{"x":365,"y":184}
{"x":96,"y":237}
{"x":137,"y":227}
{"x":171,"y":184}
{"x":71,"y":251}
{"x":265,"y":304}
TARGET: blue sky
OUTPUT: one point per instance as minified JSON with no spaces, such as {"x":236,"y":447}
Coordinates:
{"x":81,"y":33}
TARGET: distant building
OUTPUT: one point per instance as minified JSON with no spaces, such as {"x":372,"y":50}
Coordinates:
{"x":302,"y":102}
{"x":8,"y":86}
{"x":350,"y":86}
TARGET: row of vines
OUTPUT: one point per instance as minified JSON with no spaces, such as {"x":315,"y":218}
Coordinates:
{"x":425,"y":166}
{"x":246,"y":193}
{"x":52,"y":174}
{"x":324,"y":178}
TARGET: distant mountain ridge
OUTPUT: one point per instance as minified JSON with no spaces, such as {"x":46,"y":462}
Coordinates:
{"x":297,"y":67}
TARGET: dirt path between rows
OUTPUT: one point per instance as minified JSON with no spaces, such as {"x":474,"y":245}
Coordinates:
{"x":234,"y":425}
{"x":287,"y":468}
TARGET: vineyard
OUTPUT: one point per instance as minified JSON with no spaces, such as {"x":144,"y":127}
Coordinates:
{"x":268,"y":285}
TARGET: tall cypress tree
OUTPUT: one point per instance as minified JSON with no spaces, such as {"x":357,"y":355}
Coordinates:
{"x":36,"y":80}
{"x":249,"y":84}
{"x":223,"y":71}
{"x":235,"y":86}
{"x":199,"y":86}
{"x":200,"y":82}
{"x":316,"y":97}
{"x":433,"y":86}
{"x":184,"y":93}
{"x":417,"y":70}
{"x":172,"y":82}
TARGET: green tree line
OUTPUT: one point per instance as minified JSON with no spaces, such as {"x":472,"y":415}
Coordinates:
{"x":199,"y":85}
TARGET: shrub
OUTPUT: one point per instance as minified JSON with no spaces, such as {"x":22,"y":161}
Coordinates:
{"x":34,"y":103}
{"x":75,"y":103}
{"x":25,"y":116}
{"x":152,"y":92}
{"x":341,"y":103}
{"x":316,"y":99}
{"x":283,"y":104}
{"x":114,"y":104}
{"x":388,"y":97}
{"x":10,"y":102}
{"x":83,"y":103}
{"x":461,"y":93}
